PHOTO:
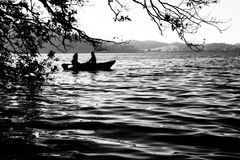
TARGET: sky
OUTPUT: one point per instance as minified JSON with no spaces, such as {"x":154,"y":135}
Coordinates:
{"x":96,"y":20}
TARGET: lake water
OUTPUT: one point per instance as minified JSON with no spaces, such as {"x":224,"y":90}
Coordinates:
{"x":172,"y":106}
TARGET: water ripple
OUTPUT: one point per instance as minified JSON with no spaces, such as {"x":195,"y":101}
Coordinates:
{"x":151,"y":106}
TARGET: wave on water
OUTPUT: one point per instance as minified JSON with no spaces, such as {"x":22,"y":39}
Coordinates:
{"x":151,"y":106}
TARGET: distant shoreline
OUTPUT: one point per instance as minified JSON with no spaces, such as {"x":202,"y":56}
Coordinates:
{"x":135,"y":46}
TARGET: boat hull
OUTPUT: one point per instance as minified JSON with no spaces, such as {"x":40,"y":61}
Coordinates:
{"x":105,"y":66}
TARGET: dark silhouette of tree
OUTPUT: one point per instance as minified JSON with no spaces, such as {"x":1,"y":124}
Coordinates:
{"x":182,"y":16}
{"x":25,"y":25}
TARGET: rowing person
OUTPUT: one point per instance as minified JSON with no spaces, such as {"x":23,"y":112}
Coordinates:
{"x":92,"y":60}
{"x":75,"y":62}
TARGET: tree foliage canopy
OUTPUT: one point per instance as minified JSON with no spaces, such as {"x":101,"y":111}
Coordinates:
{"x":25,"y":25}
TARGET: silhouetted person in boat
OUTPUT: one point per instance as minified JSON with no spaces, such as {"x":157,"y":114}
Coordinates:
{"x":75,"y":62}
{"x":51,"y":54}
{"x":92,"y":60}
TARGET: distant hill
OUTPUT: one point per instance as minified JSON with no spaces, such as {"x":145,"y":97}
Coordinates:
{"x":237,"y":44}
{"x":218,"y":46}
{"x":141,"y":45}
{"x":145,"y":46}
{"x":85,"y":48}
{"x":176,"y":46}
{"x":77,"y":47}
{"x":156,"y":46}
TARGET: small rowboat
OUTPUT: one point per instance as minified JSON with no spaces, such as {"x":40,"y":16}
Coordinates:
{"x":104,"y":66}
